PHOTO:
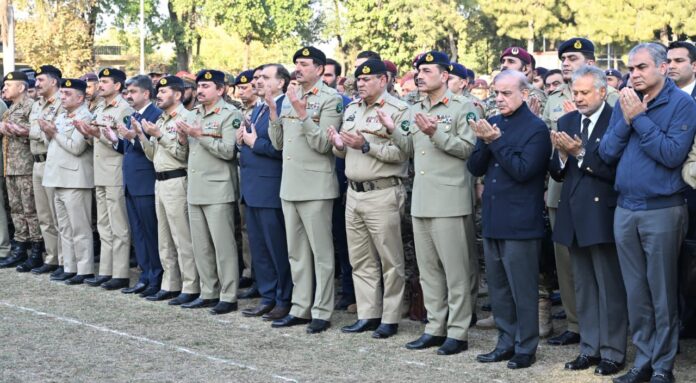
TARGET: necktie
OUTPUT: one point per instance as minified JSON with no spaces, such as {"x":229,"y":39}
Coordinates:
{"x":585,"y":129}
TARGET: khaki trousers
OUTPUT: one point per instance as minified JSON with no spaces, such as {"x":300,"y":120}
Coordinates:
{"x":215,"y":250}
{"x":373,"y":230}
{"x":174,"y":237}
{"x":442,"y":252}
{"x":311,"y":252}
{"x":246,"y":253}
{"x":45,"y":210}
{"x":112,"y":224}
{"x":73,"y":209}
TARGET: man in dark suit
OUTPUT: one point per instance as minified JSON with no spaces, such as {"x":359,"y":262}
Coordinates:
{"x":512,"y":151}
{"x":139,"y":184}
{"x":584,"y":224}
{"x":261,"y":168}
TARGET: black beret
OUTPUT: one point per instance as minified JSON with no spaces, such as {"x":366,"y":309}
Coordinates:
{"x":114,"y":73}
{"x":73,"y":83}
{"x":32,"y":83}
{"x":16,"y":76}
{"x":434,"y":57}
{"x":613,"y":72}
{"x":310,"y":53}
{"x":170,"y":81}
{"x":470,"y":74}
{"x":211,"y":75}
{"x":49,"y":69}
{"x":458,"y":70}
{"x":371,"y":66}
{"x":541,"y":71}
{"x":576,"y":44}
{"x":245,"y":77}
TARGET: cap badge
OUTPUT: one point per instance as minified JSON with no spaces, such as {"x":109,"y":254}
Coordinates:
{"x":305,"y":52}
{"x":68,"y":83}
{"x":106,"y":72}
{"x":208,"y":75}
{"x":429,"y":57}
{"x":366,"y":69}
{"x":577,"y":44}
{"x":515,"y":51}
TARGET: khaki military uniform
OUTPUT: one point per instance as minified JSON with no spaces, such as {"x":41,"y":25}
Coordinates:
{"x":374,"y":206}
{"x":4,"y":233}
{"x":173,"y":229}
{"x":69,"y":172}
{"x":441,"y":203}
{"x":246,"y":253}
{"x":44,"y":109}
{"x":18,"y":163}
{"x":112,"y":221}
{"x":211,"y":195}
{"x":480,"y":110}
{"x":307,"y":192}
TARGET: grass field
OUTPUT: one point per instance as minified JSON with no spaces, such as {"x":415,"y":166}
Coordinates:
{"x":51,"y":332}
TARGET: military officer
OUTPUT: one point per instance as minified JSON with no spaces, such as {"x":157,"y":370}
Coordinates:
{"x":4,"y":232}
{"x":244,"y":90}
{"x":440,"y":142}
{"x":375,"y":200}
{"x":614,"y":78}
{"x":69,"y":172}
{"x":45,"y":108}
{"x":459,"y":85}
{"x":210,"y":142}
{"x":18,"y":163}
{"x":299,"y":129}
{"x":112,"y":221}
{"x":92,"y":92}
{"x":180,"y":278}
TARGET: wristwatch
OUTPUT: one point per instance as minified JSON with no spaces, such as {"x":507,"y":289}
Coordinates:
{"x":580,"y":156}
{"x":365,"y":147}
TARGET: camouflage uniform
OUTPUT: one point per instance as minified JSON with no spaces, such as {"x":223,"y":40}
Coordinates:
{"x":18,"y":165}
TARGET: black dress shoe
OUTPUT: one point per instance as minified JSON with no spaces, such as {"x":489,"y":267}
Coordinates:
{"x":495,"y":356}
{"x":57,"y":272}
{"x":137,"y":288}
{"x":115,"y":284}
{"x":62,"y":276}
{"x":425,"y":341}
{"x":582,"y":362}
{"x":362,"y":325}
{"x":149,"y":291}
{"x":568,"y":337}
{"x":45,"y":268}
{"x":344,"y":302}
{"x":521,"y":361}
{"x":223,"y":308}
{"x":453,"y":346}
{"x":163,"y":295}
{"x":97,"y":281}
{"x":662,"y":376}
{"x":245,"y":282}
{"x":608,"y":367}
{"x":183,"y":298}
{"x":250,"y":293}
{"x":635,"y":375}
{"x":288,"y":321}
{"x":318,"y":325}
{"x":259,"y":310}
{"x":200,"y":303}
{"x":386,"y":330}
{"x":78,"y":279}
{"x":278,"y":312}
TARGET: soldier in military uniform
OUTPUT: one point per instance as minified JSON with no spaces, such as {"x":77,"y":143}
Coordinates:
{"x":180,"y":278}
{"x":458,"y":84}
{"x":440,"y":142}
{"x":92,"y":92}
{"x":112,"y":220}
{"x":4,"y":232}
{"x":299,"y":129}
{"x":18,"y":163}
{"x":69,"y":172}
{"x":573,"y":54}
{"x":46,"y":108}
{"x":375,"y":200}
{"x":210,"y":142}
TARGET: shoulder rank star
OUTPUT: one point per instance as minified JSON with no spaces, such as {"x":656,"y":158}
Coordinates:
{"x":217,"y":110}
{"x":381,"y":103}
{"x":445,"y":100}
{"x":173,"y":114}
{"x":114,"y":102}
{"x":314,"y":91}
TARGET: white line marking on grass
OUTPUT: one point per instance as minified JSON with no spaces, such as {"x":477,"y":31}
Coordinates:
{"x":139,"y":339}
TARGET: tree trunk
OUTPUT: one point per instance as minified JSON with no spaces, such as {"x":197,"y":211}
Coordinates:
{"x":664,"y":34}
{"x":181,"y":46}
{"x":530,"y":37}
{"x":453,"y":46}
{"x":247,"y":51}
{"x":92,"y":23}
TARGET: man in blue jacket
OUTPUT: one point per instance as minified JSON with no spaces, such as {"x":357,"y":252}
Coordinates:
{"x":649,"y":136}
{"x":512,"y":152}
{"x":261,"y":168}
{"x":584,"y":224}
{"x":139,"y":185}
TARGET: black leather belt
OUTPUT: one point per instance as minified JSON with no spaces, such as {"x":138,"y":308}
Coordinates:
{"x":39,"y":157}
{"x":163,"y":176}
{"x":379,"y":184}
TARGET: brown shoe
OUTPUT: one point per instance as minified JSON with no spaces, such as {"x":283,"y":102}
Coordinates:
{"x":277,"y":313}
{"x":259,"y":310}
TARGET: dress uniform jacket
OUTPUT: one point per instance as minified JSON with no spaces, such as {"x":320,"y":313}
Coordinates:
{"x":42,"y":110}
{"x":17,"y":158}
{"x":71,"y":165}
{"x":108,"y":163}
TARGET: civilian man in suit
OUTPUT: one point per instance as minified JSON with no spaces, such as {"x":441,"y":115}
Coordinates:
{"x":651,"y":131}
{"x":512,"y":151}
{"x":139,"y":185}
{"x":584,"y":224}
{"x":261,"y":168}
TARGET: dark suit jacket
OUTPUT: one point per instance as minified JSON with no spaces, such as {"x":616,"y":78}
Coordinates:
{"x":261,"y":166}
{"x":515,"y":168}
{"x":138,"y":171}
{"x":585,"y":213}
